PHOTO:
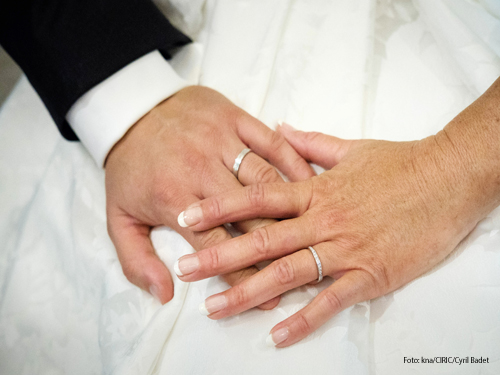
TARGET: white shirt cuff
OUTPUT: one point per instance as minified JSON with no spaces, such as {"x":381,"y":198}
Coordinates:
{"x":103,"y":115}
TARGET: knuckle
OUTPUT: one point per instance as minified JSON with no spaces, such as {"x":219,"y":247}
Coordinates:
{"x":348,"y":242}
{"x":304,"y":197}
{"x":214,"y":208}
{"x":265,"y":173}
{"x":195,"y":158}
{"x":160,"y":194}
{"x":256,"y":195}
{"x":302,"y":325}
{"x":213,"y":237}
{"x":213,"y":260}
{"x":239,"y":296}
{"x":378,"y":277}
{"x":332,"y":301}
{"x":260,"y":241}
{"x":283,"y":272}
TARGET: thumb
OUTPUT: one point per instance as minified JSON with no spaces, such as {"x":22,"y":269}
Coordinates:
{"x":139,"y":261}
{"x":318,"y":148}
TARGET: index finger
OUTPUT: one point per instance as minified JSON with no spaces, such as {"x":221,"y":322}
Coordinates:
{"x":260,"y":200}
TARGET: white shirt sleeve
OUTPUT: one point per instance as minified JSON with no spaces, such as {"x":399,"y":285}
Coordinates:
{"x":103,"y":115}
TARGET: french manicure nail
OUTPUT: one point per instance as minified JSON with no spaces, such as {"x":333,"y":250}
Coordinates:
{"x":190,"y":217}
{"x":153,"y":289}
{"x":213,"y":304}
{"x":277,"y":337}
{"x":186,"y":265}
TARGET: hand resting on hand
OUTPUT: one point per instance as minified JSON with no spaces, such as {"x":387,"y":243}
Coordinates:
{"x":381,"y":215}
{"x":180,"y":152}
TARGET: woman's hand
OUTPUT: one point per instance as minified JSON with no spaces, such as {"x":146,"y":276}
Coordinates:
{"x":383,"y":214}
{"x":180,"y":152}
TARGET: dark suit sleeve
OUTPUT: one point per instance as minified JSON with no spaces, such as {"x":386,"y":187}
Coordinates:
{"x":66,"y":47}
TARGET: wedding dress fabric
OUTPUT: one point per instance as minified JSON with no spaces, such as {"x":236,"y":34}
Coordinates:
{"x":396,"y":70}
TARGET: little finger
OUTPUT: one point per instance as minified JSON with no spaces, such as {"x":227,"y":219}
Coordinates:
{"x":350,"y":289}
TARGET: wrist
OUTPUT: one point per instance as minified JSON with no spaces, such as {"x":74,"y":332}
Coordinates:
{"x":475,"y":135}
{"x":467,"y":156}
{"x":105,"y":113}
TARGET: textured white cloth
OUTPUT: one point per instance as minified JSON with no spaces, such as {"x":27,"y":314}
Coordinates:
{"x":351,"y":68}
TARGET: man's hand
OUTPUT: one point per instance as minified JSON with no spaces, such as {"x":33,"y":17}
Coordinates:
{"x":180,"y":152}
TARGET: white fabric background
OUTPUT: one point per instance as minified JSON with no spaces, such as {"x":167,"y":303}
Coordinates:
{"x":397,"y":70}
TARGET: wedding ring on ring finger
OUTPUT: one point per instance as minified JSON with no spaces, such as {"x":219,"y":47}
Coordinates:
{"x":318,"y":264}
{"x":238,"y":160}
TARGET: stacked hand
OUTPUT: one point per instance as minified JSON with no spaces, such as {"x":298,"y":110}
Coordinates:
{"x":382,"y":214}
{"x":180,"y":152}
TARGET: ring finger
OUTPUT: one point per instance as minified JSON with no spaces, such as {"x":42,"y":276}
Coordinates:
{"x":280,"y":276}
{"x":253,"y":169}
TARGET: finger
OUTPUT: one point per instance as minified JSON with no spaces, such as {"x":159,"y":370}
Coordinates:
{"x":213,"y":237}
{"x":254,"y":169}
{"x":280,"y":276}
{"x":284,"y":274}
{"x":260,"y":200}
{"x":273,"y":147}
{"x":321,"y":149}
{"x":223,"y":180}
{"x":265,"y":243}
{"x":234,"y":279}
{"x":351,"y":288}
{"x":217,"y":235}
{"x":139,"y":261}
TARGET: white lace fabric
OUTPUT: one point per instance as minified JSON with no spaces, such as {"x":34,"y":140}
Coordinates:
{"x":397,"y":70}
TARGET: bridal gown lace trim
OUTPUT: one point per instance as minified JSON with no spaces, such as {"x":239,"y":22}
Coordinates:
{"x":384,"y":69}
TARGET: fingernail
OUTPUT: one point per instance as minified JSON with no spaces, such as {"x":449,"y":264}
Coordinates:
{"x":213,"y":304}
{"x":287,"y":127}
{"x":190,"y":217}
{"x":277,"y":337}
{"x":153,"y":289}
{"x":186,"y":265}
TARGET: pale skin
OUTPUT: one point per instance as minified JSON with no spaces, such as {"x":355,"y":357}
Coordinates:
{"x":180,"y":152}
{"x":381,"y":215}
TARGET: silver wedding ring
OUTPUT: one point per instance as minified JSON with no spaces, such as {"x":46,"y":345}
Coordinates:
{"x":238,"y":160}
{"x":318,"y":263}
